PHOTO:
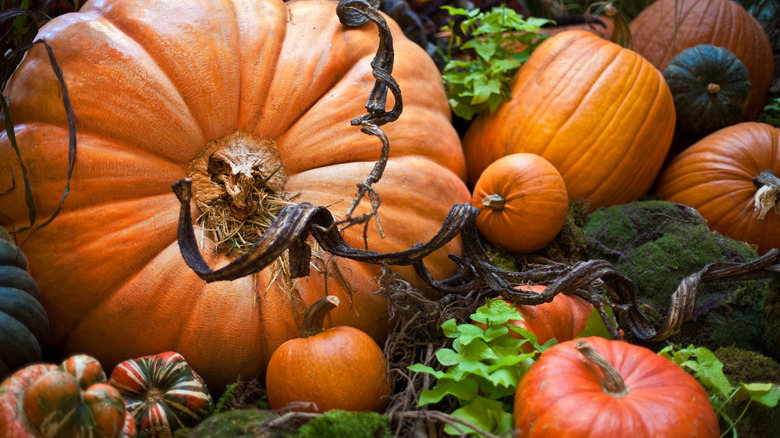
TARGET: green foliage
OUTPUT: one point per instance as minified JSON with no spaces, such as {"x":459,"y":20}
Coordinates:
{"x":226,"y":398}
{"x":483,"y":367}
{"x":482,"y":83}
{"x":708,"y":370}
{"x":771,"y":114}
{"x":338,"y":424}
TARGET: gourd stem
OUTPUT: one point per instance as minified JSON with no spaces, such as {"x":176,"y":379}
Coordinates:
{"x":767,"y":196}
{"x":315,"y":315}
{"x":613,"y":383}
{"x":495,"y":202}
{"x":713,"y":88}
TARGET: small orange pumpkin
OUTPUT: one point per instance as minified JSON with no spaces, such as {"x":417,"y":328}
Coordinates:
{"x":522,"y":202}
{"x":716,"y":177}
{"x":338,"y":368}
{"x":660,"y":32}
{"x":601,"y":114}
{"x":564,"y":318}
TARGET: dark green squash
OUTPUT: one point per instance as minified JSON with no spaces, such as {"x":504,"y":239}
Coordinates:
{"x":24,"y":325}
{"x":710,"y":87}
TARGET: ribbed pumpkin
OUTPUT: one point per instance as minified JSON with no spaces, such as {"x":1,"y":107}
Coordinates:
{"x":72,"y":400}
{"x":601,"y":114}
{"x":716,"y":177}
{"x":214,"y":91}
{"x":522,"y":202}
{"x":162,"y":393}
{"x":710,"y":87}
{"x":24,"y":326}
{"x":659,"y":33}
{"x":596,"y":387}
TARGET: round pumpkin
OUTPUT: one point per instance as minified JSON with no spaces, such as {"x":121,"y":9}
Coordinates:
{"x":338,"y":368}
{"x":24,"y":325}
{"x":605,"y":121}
{"x":710,"y":88}
{"x":629,"y":391}
{"x":251,"y":100}
{"x":660,"y":32}
{"x":564,"y":318}
{"x":522,"y":202}
{"x":716,"y":177}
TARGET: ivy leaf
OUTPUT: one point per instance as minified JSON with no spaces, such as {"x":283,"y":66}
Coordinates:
{"x":448,"y":357}
{"x":767,"y":394}
{"x":469,"y":333}
{"x":496,"y":312}
{"x":420,"y":368}
{"x":463,"y":390}
{"x":486,"y":414}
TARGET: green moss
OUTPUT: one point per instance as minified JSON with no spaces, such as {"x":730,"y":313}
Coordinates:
{"x":656,"y":244}
{"x":238,"y":424}
{"x":770,"y":318}
{"x":339,"y":424}
{"x":742,"y":366}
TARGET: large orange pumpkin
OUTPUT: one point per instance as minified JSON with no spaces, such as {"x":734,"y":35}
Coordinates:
{"x":659,"y":33}
{"x":715,"y":176}
{"x":601,"y":114}
{"x":163,"y":90}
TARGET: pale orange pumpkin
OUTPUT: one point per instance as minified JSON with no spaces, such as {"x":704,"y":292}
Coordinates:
{"x":522,"y":202}
{"x":715,"y":176}
{"x":601,"y":114}
{"x":164,"y":90}
{"x":660,"y":32}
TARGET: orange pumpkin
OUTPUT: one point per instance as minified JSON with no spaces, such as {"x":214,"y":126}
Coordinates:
{"x":522,"y":202}
{"x":659,"y":33}
{"x":715,"y":176}
{"x":601,"y":114}
{"x":223,"y":92}
{"x":564,"y":318}
{"x":338,"y":368}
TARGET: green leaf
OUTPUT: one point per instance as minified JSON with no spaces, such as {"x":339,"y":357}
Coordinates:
{"x":595,"y":325}
{"x":496,"y":312}
{"x":488,"y":415}
{"x":767,"y":394}
{"x":448,"y":357}
{"x":464,"y":390}
{"x":469,"y":333}
{"x":504,"y":377}
{"x":450,"y":328}
{"x":710,"y":371}
{"x":420,"y":368}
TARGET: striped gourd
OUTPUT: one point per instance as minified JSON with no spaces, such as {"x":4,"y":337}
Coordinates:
{"x":162,"y":393}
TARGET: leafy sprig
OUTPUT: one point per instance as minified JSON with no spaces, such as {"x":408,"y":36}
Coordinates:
{"x":771,"y":113}
{"x":708,"y":370}
{"x":501,"y":41}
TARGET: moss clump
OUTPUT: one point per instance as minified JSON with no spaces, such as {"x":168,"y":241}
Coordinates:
{"x":656,"y":244}
{"x":743,"y":366}
{"x":240,"y":423}
{"x":770,"y":318}
{"x":339,"y":424}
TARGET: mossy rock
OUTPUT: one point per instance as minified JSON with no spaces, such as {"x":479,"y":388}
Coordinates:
{"x":743,"y":366}
{"x":240,"y":423}
{"x":656,"y":244}
{"x":770,"y":318}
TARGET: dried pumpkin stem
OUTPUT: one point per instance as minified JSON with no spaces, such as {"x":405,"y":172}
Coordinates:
{"x":315,"y":315}
{"x":612,"y":383}
{"x":767,"y":196}
{"x":713,"y":88}
{"x":494,"y":202}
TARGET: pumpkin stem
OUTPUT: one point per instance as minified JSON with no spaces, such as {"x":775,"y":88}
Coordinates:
{"x":621,"y":33}
{"x":495,"y":202}
{"x":612,"y":383}
{"x":713,"y":88}
{"x":768,"y":194}
{"x":315,"y":315}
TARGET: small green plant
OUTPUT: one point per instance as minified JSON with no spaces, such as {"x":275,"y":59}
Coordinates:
{"x":771,"y":113}
{"x":708,"y":370}
{"x":482,"y":83}
{"x":484,"y":366}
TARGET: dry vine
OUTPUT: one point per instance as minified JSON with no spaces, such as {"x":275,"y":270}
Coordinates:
{"x":418,"y":317}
